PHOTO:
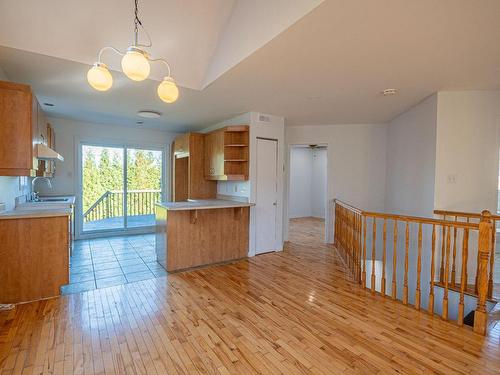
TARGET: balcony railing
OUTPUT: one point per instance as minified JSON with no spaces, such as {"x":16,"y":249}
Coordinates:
{"x":111,"y":203}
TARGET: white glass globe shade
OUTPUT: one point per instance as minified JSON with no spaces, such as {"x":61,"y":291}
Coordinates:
{"x":168,"y":90}
{"x":135,"y":66}
{"x":99,"y":77}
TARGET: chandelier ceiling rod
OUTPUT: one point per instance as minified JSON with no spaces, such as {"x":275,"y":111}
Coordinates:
{"x":135,"y":65}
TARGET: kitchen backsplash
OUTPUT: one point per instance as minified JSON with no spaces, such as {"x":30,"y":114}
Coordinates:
{"x":11,"y":188}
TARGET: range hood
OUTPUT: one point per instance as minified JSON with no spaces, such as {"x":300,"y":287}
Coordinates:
{"x":46,"y":153}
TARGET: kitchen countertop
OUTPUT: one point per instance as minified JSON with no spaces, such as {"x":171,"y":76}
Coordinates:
{"x":29,"y":210}
{"x":203,"y":204}
{"x":36,"y":213}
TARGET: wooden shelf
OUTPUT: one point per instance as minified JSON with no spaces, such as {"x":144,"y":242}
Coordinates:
{"x":227,"y":153}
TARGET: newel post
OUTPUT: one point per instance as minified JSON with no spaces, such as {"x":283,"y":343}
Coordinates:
{"x":484,"y":249}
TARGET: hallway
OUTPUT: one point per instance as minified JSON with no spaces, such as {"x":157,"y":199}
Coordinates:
{"x":290,"y":312}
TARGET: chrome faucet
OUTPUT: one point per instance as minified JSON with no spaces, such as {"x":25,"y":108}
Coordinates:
{"x":34,"y":195}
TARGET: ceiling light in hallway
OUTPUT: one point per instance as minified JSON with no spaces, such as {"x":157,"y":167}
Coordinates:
{"x":389,"y":92}
{"x":149,"y":114}
{"x":136,"y":66}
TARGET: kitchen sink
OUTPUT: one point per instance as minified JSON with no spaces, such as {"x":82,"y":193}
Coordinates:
{"x":52,"y":200}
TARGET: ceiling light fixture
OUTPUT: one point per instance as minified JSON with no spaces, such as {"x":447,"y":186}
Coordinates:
{"x":148,"y":114}
{"x":389,"y":92}
{"x":135,"y":65}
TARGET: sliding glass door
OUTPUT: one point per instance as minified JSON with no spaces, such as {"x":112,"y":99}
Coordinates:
{"x":119,"y":187}
{"x":143,"y":186}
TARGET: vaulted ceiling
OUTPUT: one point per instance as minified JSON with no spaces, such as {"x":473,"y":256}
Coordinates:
{"x":310,"y":61}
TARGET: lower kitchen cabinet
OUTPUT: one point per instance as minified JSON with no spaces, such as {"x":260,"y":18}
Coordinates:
{"x":34,"y":258}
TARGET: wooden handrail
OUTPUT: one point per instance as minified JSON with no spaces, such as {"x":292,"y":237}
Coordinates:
{"x":463,"y":214}
{"x":348,"y":206}
{"x":423,"y":220}
{"x":449,"y":241}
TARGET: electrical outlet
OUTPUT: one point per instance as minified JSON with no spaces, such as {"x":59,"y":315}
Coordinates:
{"x":452,"y":178}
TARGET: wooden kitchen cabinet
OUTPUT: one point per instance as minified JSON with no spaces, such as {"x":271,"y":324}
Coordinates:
{"x":188,"y":180}
{"x":35,"y":258}
{"x":226,"y":153}
{"x":47,"y":168}
{"x":19,"y":130}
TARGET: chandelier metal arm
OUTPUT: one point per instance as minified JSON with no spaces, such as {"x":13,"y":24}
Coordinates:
{"x":165,"y":62}
{"x":111,"y":48}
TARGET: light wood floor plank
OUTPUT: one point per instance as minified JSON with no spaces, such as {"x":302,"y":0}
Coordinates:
{"x":294,"y":312}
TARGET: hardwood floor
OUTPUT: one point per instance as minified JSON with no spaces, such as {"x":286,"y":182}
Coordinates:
{"x":292,"y":312}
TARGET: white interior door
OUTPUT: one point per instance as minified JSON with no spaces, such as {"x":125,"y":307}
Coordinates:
{"x":267,"y":195}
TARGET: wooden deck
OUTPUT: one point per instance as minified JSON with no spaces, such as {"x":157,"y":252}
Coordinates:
{"x":293,"y":312}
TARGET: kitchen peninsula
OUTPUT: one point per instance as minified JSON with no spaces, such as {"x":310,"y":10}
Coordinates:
{"x":201,"y":232}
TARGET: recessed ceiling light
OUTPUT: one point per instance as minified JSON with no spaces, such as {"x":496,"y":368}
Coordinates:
{"x":389,"y":92}
{"x":149,"y":114}
{"x":48,"y":104}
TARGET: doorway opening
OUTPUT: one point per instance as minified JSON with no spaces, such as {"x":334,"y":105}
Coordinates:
{"x":307,"y":201}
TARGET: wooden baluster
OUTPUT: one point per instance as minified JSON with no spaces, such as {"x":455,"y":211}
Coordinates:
{"x":492,"y":259}
{"x":419,"y":267}
{"x":443,"y":241}
{"x":463,"y":278}
{"x":335,"y":229}
{"x":374,"y":255}
{"x":446,"y":274}
{"x":407,"y":247}
{"x":433,"y":256}
{"x":453,"y":271}
{"x":360,"y":246}
{"x":336,"y":226}
{"x":484,"y":244}
{"x":351,"y":240}
{"x":363,"y":274}
{"x":394,"y":260}
{"x":384,"y":255}
{"x":354,"y":243}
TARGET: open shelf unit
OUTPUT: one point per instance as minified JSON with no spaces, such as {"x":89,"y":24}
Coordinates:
{"x":227,"y":153}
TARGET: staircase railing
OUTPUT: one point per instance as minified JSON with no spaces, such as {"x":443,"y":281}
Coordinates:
{"x":110,"y":204}
{"x":475,"y":217}
{"x":397,"y":256}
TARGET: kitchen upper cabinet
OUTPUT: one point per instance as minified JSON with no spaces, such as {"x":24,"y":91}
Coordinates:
{"x":19,"y":132}
{"x":23,"y":125}
{"x":46,"y":168}
{"x":188,"y":180}
{"x":214,"y":154}
{"x":226,"y":153}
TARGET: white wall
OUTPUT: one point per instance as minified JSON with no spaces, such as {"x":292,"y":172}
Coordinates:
{"x":300,"y":182}
{"x":467,"y":150}
{"x":307,"y":182}
{"x":318,"y":186}
{"x":411,"y":160}
{"x":355,"y":164}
